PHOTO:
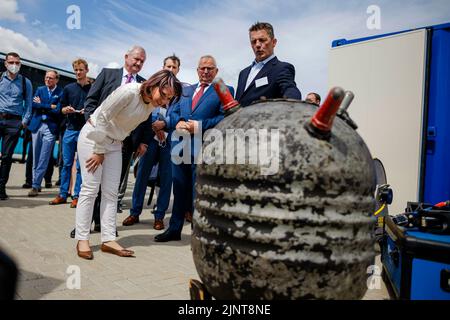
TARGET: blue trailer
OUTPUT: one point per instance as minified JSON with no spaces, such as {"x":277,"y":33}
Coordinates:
{"x":401,"y":83}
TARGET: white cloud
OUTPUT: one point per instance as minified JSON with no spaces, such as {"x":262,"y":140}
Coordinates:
{"x":114,"y":65}
{"x":94,"y":70}
{"x":9,"y":11}
{"x":35,"y":50}
{"x":304,"y":30}
{"x":36,"y":23}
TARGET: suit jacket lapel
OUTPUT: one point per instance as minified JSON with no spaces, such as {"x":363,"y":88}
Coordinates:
{"x":243,"y":82}
{"x":190,"y":93}
{"x":139,"y":79}
{"x":264,"y":71}
{"x":203,"y":97}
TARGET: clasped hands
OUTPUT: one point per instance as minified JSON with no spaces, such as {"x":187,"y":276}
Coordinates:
{"x":190,"y":126}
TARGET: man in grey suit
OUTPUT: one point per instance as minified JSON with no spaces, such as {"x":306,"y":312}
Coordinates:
{"x":107,"y":81}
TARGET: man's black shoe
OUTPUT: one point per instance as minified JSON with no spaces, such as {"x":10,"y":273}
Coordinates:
{"x":58,"y":183}
{"x":27,"y":185}
{"x":3,"y":195}
{"x":48,"y":185}
{"x":72,"y":234}
{"x":168,"y":235}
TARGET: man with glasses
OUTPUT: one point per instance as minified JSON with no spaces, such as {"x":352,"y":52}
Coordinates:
{"x":198,"y":110}
{"x":44,"y":127}
{"x":15,"y":112}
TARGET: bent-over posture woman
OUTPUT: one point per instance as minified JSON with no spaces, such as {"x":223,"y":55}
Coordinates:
{"x":99,"y":152}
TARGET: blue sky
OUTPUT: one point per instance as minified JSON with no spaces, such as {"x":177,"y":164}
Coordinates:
{"x":304,"y":29}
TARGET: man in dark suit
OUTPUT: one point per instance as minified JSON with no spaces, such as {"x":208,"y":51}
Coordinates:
{"x":107,"y":81}
{"x":198,"y":110}
{"x":267,"y":77}
{"x":44,"y":127}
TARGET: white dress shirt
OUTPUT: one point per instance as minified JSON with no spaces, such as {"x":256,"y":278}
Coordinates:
{"x":256,"y":68}
{"x":124,"y":77}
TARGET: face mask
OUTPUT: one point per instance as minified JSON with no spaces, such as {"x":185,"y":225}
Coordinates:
{"x":13,"y":68}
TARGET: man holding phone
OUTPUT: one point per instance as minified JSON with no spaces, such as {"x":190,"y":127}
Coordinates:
{"x":72,"y":104}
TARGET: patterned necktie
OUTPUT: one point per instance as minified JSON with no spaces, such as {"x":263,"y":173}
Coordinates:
{"x":129,"y":78}
{"x":198,"y":95}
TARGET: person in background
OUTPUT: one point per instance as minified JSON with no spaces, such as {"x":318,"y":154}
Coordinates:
{"x":16,"y":94}
{"x":313,"y":98}
{"x":72,"y":106}
{"x":44,"y":126}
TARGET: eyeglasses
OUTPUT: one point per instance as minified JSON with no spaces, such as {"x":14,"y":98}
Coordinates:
{"x":206,"y":69}
{"x":49,"y":78}
{"x":13,"y":62}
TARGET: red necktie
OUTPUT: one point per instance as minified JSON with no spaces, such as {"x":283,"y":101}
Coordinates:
{"x":198,"y":95}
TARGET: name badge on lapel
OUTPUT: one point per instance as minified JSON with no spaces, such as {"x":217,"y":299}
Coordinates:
{"x":261,"y":82}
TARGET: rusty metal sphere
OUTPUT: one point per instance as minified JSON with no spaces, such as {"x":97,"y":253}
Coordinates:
{"x":304,"y":232}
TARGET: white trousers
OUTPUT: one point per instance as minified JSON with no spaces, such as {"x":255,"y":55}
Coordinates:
{"x":108,"y":176}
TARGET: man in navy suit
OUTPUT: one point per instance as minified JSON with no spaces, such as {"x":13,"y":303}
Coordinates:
{"x":158,"y":153}
{"x":44,"y":126}
{"x":198,"y":110}
{"x":267,"y":77}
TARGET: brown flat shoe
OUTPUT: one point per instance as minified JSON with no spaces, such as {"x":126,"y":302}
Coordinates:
{"x":58,"y":200}
{"x":88,"y":255}
{"x":74,"y":203}
{"x":158,"y":224}
{"x":120,"y":253}
{"x":130,"y":220}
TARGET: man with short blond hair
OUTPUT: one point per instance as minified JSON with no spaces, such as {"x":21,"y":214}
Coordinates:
{"x":72,"y":107}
